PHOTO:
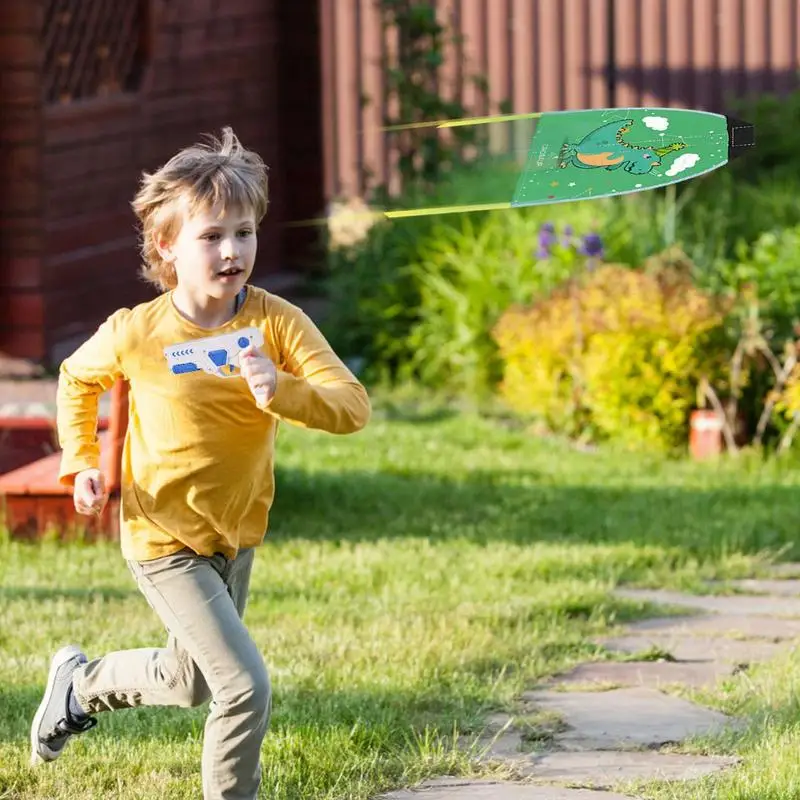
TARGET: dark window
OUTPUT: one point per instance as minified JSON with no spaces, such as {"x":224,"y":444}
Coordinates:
{"x":93,"y":48}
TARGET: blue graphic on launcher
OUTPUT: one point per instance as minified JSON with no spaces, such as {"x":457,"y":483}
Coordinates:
{"x":215,"y":355}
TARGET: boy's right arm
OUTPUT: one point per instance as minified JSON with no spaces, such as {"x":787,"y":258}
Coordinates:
{"x":91,"y":370}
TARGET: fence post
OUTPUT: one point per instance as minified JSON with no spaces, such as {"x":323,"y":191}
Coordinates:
{"x":611,"y":53}
{"x":117,"y":428}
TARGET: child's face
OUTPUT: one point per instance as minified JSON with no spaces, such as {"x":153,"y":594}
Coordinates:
{"x":214,"y":251}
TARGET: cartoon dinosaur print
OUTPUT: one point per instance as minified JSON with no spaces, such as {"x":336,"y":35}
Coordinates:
{"x":604,"y":147}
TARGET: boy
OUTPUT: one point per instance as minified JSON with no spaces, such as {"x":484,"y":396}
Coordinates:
{"x":197,"y":466}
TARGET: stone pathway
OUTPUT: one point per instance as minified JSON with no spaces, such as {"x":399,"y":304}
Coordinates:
{"x":585,"y":734}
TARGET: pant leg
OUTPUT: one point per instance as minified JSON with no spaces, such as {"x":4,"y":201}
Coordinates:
{"x":200,"y":600}
{"x":147,"y":676}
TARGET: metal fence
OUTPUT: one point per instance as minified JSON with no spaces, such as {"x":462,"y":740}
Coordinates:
{"x":543,"y":55}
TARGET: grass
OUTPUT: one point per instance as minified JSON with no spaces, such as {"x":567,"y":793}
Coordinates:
{"x":417,"y":578}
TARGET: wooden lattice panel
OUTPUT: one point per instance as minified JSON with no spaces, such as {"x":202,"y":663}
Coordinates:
{"x":92,"y":48}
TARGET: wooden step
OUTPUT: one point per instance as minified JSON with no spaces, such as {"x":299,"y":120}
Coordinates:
{"x":24,"y":440}
{"x":33,"y":503}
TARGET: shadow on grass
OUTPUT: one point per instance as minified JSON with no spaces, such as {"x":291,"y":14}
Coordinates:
{"x":388,"y":712}
{"x":526,"y":508}
{"x":46,"y":593}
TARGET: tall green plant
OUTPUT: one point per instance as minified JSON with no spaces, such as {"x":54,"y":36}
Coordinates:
{"x":469,"y":274}
{"x":412,"y":81}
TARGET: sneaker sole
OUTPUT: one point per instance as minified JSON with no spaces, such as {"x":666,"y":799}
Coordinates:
{"x":59,"y":659}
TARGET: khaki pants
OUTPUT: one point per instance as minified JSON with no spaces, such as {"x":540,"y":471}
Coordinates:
{"x":209,"y":654}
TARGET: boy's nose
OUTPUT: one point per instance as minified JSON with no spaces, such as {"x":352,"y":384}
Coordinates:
{"x":228,"y":250}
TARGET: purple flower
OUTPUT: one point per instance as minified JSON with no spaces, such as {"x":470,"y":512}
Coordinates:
{"x":566,"y":240}
{"x":592,"y":245}
{"x":547,"y":238}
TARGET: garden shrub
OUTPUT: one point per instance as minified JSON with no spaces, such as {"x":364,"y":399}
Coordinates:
{"x":468,"y":273}
{"x":616,"y":354}
{"x":416,"y":298}
{"x":372,"y":298}
{"x":769,"y":268}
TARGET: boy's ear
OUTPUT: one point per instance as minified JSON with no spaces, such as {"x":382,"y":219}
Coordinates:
{"x":163,"y":246}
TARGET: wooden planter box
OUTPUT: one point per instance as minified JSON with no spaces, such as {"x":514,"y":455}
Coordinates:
{"x":32,"y":501}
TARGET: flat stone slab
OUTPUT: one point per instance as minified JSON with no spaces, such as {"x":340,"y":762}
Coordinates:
{"x":733,"y":604}
{"x":601,"y":769}
{"x":456,"y":789}
{"x":624,"y":719}
{"x":789,"y":587}
{"x":651,"y":674}
{"x":788,"y":569}
{"x":698,"y":648}
{"x":733,"y":625}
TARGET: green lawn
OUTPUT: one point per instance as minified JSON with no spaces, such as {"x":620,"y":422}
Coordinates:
{"x":417,"y":577}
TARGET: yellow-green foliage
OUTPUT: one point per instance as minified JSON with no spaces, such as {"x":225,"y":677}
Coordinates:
{"x":788,"y":400}
{"x":618,"y":352}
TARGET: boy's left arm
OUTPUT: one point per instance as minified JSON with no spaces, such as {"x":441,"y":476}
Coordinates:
{"x":314,"y":388}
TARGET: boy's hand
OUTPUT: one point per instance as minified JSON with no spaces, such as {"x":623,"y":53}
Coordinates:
{"x":260,"y":374}
{"x":89,"y":492}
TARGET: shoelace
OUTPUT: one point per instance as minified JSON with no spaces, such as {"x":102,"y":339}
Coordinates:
{"x":67,"y":726}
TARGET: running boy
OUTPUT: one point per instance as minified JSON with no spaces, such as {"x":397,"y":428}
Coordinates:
{"x":197,"y":468}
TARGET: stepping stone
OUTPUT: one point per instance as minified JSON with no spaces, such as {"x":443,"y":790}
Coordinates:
{"x":457,"y":789}
{"x":601,"y":769}
{"x":736,"y":604}
{"x":786,"y":570}
{"x":626,"y":718}
{"x":782,"y":588}
{"x":652,"y":674}
{"x":697,"y":648}
{"x":742,"y":625}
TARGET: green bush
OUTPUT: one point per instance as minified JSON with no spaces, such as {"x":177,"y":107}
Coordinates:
{"x":777,"y":150}
{"x":415,"y":298}
{"x":372,"y":298}
{"x":617,"y":354}
{"x":468,"y":274}
{"x":769,"y":268}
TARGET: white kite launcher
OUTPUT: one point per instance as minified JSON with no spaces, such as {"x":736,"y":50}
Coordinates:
{"x":215,"y":355}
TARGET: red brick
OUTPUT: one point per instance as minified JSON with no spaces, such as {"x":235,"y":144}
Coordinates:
{"x":166,"y":41}
{"x":22,"y":240}
{"x":111,"y":260}
{"x":240,"y":8}
{"x":21,"y":307}
{"x":226,"y":36}
{"x":21,"y":272}
{"x":76,"y":232}
{"x":19,"y":50}
{"x":79,"y":160}
{"x":20,"y":125}
{"x":66,"y":310}
{"x":23,"y":163}
{"x":20,"y":85}
{"x":22,"y":342}
{"x":20,"y":15}
{"x":98,"y":120}
{"x":25,"y":198}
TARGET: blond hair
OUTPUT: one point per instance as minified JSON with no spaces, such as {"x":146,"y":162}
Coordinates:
{"x":198,"y":177}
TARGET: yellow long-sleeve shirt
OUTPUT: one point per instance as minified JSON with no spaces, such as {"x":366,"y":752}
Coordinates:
{"x":197,"y":464}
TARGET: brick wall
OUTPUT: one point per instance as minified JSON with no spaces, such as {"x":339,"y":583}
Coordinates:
{"x":208,"y":63}
{"x":68,"y":243}
{"x":21,"y":296}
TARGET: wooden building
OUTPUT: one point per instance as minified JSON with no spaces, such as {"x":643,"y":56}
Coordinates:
{"x":94,"y":91}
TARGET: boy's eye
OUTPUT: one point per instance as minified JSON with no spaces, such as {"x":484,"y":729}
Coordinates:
{"x":246,"y":232}
{"x":210,"y":236}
